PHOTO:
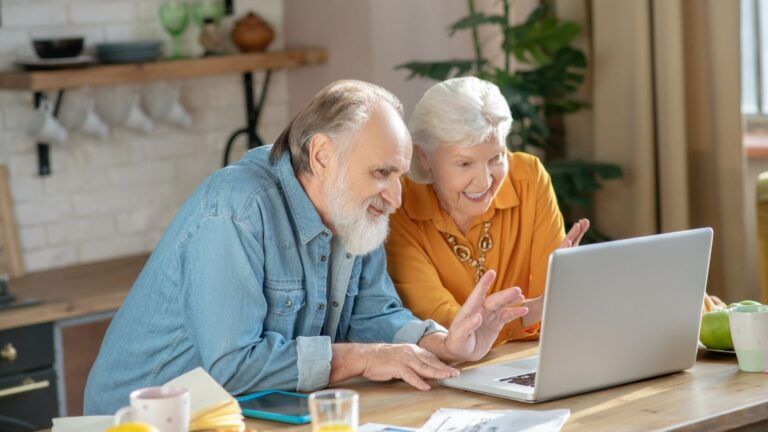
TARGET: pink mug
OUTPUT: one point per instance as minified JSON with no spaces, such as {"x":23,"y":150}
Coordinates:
{"x":167,"y":408}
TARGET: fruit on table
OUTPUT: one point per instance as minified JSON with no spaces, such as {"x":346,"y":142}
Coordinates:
{"x":715,"y":330}
{"x":133,"y":427}
{"x":744,"y":303}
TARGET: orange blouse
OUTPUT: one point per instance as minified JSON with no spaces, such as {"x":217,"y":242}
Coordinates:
{"x":526,"y":226}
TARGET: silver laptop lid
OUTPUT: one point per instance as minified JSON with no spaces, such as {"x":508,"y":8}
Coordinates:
{"x":621,"y":311}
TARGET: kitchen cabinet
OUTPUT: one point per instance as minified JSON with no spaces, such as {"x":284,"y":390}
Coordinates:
{"x":80,"y":340}
{"x":28,"y":386}
{"x":44,"y":368}
{"x":47,"y":350}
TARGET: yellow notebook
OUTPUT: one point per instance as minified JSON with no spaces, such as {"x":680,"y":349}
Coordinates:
{"x":212,"y":407}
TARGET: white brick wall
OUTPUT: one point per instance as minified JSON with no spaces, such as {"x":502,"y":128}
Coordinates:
{"x":116,"y":197}
{"x":102,"y":12}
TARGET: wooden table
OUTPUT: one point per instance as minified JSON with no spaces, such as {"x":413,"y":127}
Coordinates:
{"x":712,"y":396}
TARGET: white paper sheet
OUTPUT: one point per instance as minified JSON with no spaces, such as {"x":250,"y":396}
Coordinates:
{"x":378,"y":427}
{"x":458,"y":420}
{"x":82,"y":424}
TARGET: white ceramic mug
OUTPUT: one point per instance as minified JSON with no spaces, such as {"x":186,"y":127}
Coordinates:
{"x":137,"y":120}
{"x":120,"y":107}
{"x":167,"y":408}
{"x":163,"y":104}
{"x":749,"y":331}
{"x":78,"y":114}
{"x":44,"y":127}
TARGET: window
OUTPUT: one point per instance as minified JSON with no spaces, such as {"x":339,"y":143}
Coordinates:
{"x":754,"y":75}
{"x":753,"y":91}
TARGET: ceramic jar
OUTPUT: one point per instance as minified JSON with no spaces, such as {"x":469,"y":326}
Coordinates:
{"x":252,"y":34}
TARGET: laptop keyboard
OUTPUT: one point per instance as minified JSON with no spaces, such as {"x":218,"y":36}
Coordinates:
{"x":524,"y":380}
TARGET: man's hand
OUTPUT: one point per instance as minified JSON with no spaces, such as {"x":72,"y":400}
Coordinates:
{"x":384,"y":362}
{"x":572,"y":239}
{"x":477,"y":324}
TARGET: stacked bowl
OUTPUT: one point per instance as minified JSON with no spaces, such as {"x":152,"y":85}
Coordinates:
{"x":129,"y":52}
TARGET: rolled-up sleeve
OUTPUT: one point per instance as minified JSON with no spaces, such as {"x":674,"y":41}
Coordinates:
{"x":222,"y":268}
{"x":378,"y":314}
{"x":314,"y":362}
{"x":413,"y":331}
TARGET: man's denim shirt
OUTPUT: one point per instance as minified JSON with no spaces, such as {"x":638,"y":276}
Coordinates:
{"x":238,"y":285}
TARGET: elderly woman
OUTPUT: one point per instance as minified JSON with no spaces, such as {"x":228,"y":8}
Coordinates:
{"x":470,"y":206}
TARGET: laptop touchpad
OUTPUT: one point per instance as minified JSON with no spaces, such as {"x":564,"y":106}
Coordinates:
{"x":521,"y":366}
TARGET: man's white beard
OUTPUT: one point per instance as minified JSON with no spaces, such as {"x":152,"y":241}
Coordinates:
{"x":359,"y":232}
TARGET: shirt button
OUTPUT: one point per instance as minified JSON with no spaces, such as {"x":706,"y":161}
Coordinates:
{"x":323,"y":258}
{"x":335,"y":304}
{"x":321,"y":306}
{"x":325,"y":233}
{"x":288,"y":303}
{"x":349,"y":255}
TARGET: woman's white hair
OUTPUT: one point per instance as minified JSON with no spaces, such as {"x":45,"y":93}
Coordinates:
{"x":460,"y":111}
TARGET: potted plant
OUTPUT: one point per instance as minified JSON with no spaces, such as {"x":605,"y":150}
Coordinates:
{"x":539,"y":92}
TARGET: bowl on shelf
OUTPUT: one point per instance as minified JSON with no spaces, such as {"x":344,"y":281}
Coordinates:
{"x":129,"y":52}
{"x":58,"y":47}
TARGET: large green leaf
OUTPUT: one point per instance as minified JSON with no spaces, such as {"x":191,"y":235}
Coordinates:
{"x":559,"y":78}
{"x":537,"y":14}
{"x":439,"y":70}
{"x":538,"y":39}
{"x":476,"y":20}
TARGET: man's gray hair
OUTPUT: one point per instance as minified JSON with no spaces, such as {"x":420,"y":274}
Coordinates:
{"x":460,"y":111}
{"x":340,"y":110}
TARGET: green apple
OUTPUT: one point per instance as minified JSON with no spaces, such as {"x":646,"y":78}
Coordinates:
{"x":744,"y":303}
{"x":715,"y":330}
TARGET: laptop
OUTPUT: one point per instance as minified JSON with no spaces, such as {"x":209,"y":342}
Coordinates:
{"x":614,"y":313}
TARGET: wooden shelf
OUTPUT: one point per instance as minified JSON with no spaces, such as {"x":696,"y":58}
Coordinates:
{"x":101,"y":75}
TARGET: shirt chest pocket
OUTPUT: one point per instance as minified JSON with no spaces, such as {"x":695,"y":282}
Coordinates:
{"x":285,"y":298}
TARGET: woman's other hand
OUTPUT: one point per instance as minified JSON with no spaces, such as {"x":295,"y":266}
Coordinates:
{"x":536,"y":305}
{"x":574,"y":236}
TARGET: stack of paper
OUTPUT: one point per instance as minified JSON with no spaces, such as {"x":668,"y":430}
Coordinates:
{"x":212,"y":408}
{"x":459,"y":420}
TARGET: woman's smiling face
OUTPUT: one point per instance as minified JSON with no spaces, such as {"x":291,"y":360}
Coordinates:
{"x":466,"y":179}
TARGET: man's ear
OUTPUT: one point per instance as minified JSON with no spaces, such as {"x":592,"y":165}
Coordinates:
{"x":320,"y":153}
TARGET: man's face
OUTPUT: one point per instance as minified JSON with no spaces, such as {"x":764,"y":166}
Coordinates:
{"x":365,"y":188}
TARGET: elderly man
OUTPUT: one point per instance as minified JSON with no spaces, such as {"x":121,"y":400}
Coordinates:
{"x":272,"y":275}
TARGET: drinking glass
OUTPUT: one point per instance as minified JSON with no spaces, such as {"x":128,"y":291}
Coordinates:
{"x":334,"y":410}
{"x":203,"y":10}
{"x":174,"y":17}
